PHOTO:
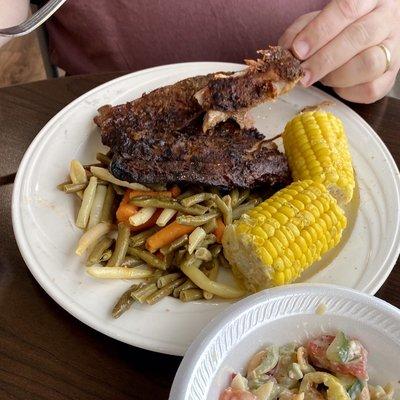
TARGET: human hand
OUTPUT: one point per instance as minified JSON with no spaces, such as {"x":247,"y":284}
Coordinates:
{"x":340,"y":46}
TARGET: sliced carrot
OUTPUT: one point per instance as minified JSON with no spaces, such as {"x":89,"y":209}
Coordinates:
{"x":148,"y":224}
{"x":136,"y":193}
{"x":125,"y":209}
{"x":167,"y":235}
{"x":219,"y":230}
{"x":175,"y":191}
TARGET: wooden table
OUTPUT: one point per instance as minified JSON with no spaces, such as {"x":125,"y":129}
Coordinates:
{"x":45,"y":353}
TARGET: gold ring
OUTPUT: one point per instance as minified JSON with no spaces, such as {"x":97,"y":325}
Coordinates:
{"x":388,"y":55}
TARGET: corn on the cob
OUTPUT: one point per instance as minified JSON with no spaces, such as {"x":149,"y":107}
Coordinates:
{"x":316,"y":147}
{"x":274,"y":242}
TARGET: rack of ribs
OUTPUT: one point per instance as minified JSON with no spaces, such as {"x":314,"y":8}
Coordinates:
{"x":225,"y":156}
{"x":197,"y":130}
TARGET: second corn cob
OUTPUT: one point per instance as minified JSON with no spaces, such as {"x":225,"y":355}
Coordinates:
{"x":277,"y":240}
{"x":316,"y":147}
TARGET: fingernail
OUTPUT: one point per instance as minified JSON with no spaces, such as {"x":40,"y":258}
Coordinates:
{"x":301,"y":49}
{"x":305,"y":80}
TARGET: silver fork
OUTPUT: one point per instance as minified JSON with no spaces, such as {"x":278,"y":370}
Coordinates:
{"x":34,"y":21}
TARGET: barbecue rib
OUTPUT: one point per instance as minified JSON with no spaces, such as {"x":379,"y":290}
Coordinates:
{"x":181,"y":132}
{"x":163,"y":110}
{"x":231,"y":96}
{"x":225,"y":156}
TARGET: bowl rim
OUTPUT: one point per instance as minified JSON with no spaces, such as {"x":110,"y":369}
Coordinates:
{"x":213,"y":329}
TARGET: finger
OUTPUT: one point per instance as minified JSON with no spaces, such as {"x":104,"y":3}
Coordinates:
{"x":366,"y":32}
{"x":365,"y":67}
{"x":335,"y":17}
{"x":369,"y":92}
{"x":286,"y":40}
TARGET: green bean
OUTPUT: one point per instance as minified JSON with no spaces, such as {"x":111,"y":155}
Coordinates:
{"x":188,"y":284}
{"x":158,"y":187}
{"x":234,"y":197}
{"x":203,"y":254}
{"x":227,"y":200}
{"x":190,"y":295}
{"x":209,"y":239}
{"x":225,"y":210}
{"x":176,"y":244}
{"x":97,"y":206}
{"x":210,"y":226}
{"x":62,"y":185}
{"x":103,"y":159}
{"x":242,"y":197}
{"x":121,"y":246}
{"x":72,"y":187}
{"x":130,"y":262}
{"x":169,"y":258}
{"x":77,"y":174}
{"x":215,"y":250}
{"x":88,"y":166}
{"x":159,"y":202}
{"x":101,"y":246}
{"x":106,"y":255}
{"x":164,"y":291}
{"x":143,"y":292}
{"x":213,"y":275}
{"x":148,"y":258}
{"x":196,"y":220}
{"x":140,"y":239}
{"x":103,"y":173}
{"x":195,"y":238}
{"x":125,"y":301}
{"x":238,"y":211}
{"x":108,"y":206}
{"x":190,"y":261}
{"x":195,"y":199}
{"x":156,"y":274}
{"x":184,"y":195}
{"x":118,"y":189}
{"x":215,"y":190}
{"x":223,"y":261}
{"x":179,"y":256}
{"x":87,"y":201}
{"x":165,"y":279}
{"x":166,"y":215}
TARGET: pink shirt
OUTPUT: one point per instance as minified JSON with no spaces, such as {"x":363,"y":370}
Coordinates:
{"x":127,"y":35}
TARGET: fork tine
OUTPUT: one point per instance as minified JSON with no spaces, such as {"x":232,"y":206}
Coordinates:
{"x":34,"y":21}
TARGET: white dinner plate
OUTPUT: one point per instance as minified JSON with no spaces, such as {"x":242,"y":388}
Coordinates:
{"x":43,"y":217}
{"x":284,"y":315}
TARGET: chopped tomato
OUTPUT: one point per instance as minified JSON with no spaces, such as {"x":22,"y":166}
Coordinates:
{"x":317,"y":352}
{"x":237,"y":394}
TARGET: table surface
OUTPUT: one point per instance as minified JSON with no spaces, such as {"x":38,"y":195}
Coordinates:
{"x":45,"y":353}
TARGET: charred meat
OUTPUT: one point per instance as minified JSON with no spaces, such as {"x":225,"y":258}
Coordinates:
{"x":225,"y":96}
{"x":225,"y":156}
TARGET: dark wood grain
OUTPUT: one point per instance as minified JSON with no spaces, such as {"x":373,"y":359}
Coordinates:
{"x":44,"y":352}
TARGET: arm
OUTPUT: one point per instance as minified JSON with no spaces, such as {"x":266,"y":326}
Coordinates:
{"x":12,"y":13}
{"x":341,"y":47}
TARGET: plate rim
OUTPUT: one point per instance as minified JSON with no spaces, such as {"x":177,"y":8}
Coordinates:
{"x":65,"y":301}
{"x":211,"y":331}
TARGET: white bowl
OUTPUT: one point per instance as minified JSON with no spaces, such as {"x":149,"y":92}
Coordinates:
{"x":283,"y":315}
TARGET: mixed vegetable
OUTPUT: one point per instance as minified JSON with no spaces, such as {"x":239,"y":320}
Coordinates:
{"x":328,"y":367}
{"x":167,"y":239}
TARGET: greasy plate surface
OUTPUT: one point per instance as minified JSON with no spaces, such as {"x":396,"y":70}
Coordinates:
{"x":284,"y":315}
{"x":44,"y":217}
